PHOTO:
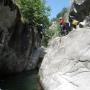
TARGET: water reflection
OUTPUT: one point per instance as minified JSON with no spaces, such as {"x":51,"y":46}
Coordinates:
{"x":24,"y":81}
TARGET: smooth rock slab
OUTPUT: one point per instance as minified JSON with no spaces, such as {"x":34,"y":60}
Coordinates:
{"x":66,"y":65}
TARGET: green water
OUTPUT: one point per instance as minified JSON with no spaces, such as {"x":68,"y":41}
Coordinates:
{"x":23,"y":81}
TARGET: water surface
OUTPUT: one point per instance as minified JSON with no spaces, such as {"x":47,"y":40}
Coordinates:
{"x":23,"y":81}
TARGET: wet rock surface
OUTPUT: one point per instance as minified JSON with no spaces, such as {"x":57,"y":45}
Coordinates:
{"x":18,"y":40}
{"x":23,"y":81}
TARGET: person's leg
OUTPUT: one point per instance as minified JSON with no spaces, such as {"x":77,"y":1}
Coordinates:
{"x":67,"y":28}
{"x":75,"y":26}
{"x":61,"y":30}
{"x":64,"y":30}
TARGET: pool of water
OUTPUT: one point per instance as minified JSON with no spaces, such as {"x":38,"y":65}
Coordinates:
{"x":23,"y":81}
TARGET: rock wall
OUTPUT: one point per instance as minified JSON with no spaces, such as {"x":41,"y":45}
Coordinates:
{"x":79,"y":2}
{"x":82,"y":7}
{"x":18,"y":40}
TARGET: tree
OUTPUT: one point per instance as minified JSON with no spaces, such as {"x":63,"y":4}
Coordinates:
{"x":34,"y":11}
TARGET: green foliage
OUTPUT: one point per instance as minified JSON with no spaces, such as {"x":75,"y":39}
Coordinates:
{"x":49,"y":34}
{"x":62,"y":13}
{"x":34,"y":11}
{"x":53,"y":19}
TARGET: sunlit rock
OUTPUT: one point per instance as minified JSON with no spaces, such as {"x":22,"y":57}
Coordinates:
{"x":66,"y":65}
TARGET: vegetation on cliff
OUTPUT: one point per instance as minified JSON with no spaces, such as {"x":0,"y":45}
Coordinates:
{"x":34,"y":11}
{"x":54,"y":27}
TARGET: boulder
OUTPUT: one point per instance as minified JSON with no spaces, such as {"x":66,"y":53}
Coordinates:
{"x":66,"y":66}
